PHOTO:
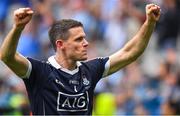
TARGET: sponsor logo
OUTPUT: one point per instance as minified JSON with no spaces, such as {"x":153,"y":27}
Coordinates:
{"x":72,"y":102}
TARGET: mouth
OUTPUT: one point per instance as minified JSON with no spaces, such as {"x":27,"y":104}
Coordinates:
{"x":84,"y":52}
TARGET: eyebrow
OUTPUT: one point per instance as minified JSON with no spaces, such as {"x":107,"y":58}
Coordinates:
{"x":83,"y":36}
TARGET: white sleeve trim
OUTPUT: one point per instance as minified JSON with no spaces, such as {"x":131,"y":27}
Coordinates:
{"x":28,"y":71}
{"x":106,"y":69}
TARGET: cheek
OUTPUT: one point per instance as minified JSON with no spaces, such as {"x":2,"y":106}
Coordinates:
{"x":75,"y":48}
{"x":72,"y":49}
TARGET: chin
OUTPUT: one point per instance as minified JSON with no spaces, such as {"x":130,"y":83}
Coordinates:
{"x":83,"y":59}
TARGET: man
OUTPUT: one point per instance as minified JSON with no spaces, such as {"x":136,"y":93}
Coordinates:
{"x":63,"y":85}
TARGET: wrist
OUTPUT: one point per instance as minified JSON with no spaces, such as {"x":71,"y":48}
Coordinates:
{"x":18,"y":28}
{"x":150,"y":22}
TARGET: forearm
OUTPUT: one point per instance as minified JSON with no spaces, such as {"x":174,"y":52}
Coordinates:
{"x":139,"y":42}
{"x":9,"y":46}
{"x":135,"y":47}
{"x":16,"y":62}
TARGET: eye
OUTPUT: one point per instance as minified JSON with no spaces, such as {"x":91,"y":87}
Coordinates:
{"x":79,"y":39}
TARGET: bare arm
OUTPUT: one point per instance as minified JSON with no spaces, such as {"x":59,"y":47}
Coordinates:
{"x":136,"y":46}
{"x":16,"y":62}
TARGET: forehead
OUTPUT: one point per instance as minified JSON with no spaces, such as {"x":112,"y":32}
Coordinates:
{"x":76,"y":32}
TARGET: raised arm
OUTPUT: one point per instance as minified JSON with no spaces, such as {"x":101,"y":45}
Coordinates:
{"x":16,"y":62}
{"x":136,"y":46}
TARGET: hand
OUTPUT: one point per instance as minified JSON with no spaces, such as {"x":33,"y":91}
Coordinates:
{"x":22,"y":16}
{"x":153,"y":12}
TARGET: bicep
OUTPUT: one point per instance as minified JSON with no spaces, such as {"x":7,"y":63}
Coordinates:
{"x":19,"y":65}
{"x":119,"y":60}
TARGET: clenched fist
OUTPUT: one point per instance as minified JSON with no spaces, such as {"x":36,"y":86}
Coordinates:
{"x":22,"y":16}
{"x":153,"y":12}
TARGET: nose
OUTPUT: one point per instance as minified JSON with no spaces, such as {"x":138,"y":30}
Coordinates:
{"x":85,"y":43}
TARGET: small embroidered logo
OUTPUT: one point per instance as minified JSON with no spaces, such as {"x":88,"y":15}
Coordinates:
{"x":85,"y":81}
{"x":59,"y":82}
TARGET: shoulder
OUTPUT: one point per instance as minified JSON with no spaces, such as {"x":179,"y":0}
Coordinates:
{"x":97,"y":60}
{"x":39,"y":64}
{"x":95,"y":63}
{"x":38,"y":69}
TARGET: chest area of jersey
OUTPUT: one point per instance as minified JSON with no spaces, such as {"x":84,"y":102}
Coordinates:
{"x":77,"y":83}
{"x":72,"y":91}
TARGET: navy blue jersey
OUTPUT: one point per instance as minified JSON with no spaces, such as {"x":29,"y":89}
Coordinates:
{"x":55,"y":90}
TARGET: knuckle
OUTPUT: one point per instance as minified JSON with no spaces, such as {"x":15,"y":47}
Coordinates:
{"x":147,"y":6}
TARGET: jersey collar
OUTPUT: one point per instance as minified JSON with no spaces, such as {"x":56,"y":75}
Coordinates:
{"x":54,"y":63}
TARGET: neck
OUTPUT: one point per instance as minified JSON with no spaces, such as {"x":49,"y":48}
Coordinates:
{"x":65,"y":62}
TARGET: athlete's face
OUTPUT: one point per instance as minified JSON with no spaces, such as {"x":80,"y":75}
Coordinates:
{"x":75,"y":47}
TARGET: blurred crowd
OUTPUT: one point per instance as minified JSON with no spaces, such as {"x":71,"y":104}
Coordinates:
{"x":149,"y":86}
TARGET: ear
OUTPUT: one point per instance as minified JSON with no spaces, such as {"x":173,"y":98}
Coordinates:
{"x":59,"y":44}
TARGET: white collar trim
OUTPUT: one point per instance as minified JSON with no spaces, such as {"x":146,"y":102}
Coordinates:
{"x":55,"y":64}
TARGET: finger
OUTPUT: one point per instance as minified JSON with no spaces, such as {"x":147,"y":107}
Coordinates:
{"x":157,"y":6}
{"x":23,"y":12}
{"x":29,"y":11}
{"x":19,"y":13}
{"x":153,"y":8}
{"x":149,"y":6}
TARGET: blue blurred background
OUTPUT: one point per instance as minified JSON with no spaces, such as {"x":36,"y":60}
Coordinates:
{"x":149,"y":86}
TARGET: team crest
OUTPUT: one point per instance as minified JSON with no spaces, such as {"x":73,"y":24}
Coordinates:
{"x":85,"y":81}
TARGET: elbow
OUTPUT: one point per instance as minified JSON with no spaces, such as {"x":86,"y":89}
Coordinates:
{"x":4,"y":59}
{"x":1,"y":56}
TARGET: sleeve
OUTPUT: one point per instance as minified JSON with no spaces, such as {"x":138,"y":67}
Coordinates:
{"x":34,"y":76}
{"x":28,"y":71}
{"x":98,"y":68}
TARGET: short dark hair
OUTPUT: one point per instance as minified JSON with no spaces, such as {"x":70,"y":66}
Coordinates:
{"x":59,"y":30}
